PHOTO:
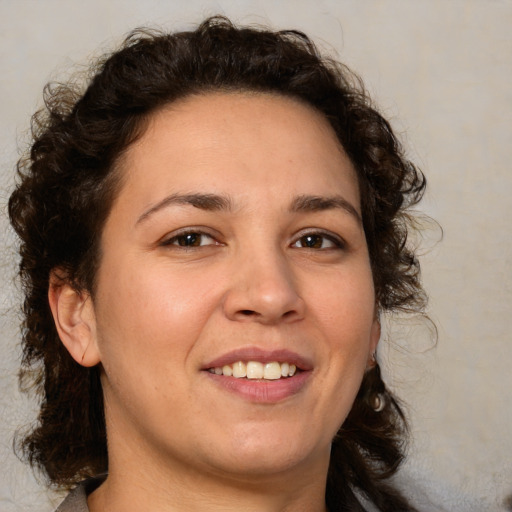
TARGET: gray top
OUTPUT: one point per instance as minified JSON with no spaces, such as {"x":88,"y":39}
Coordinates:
{"x":76,"y":500}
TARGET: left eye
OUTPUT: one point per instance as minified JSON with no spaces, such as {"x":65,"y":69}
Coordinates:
{"x":316,"y":241}
{"x":190,"y":239}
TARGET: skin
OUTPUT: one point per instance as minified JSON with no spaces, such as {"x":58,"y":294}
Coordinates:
{"x":177,"y":439}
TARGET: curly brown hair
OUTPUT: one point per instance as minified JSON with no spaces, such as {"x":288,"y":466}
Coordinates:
{"x":68,"y":182}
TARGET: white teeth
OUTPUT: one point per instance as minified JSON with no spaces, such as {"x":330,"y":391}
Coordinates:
{"x":256,"y":370}
{"x":272,"y":371}
{"x":239,"y":370}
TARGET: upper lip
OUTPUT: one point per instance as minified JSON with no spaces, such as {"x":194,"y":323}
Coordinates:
{"x":262,"y":356}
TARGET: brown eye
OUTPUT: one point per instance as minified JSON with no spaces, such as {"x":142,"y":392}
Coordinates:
{"x":190,"y":239}
{"x":317,"y":241}
{"x":311,"y":241}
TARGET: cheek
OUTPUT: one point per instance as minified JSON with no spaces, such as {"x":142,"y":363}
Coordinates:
{"x":345,"y":304}
{"x":147,"y":327}
{"x":152,"y":316}
{"x":344,"y":312}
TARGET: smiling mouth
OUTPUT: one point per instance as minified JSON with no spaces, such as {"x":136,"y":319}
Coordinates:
{"x":256,"y":370}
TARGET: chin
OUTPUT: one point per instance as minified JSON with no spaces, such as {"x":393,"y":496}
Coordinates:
{"x":273,"y":450}
{"x":265,"y":464}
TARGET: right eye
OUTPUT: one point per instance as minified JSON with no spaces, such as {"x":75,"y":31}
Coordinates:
{"x":190,"y":239}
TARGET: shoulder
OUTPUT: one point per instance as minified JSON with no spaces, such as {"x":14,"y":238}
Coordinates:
{"x":76,"y":500}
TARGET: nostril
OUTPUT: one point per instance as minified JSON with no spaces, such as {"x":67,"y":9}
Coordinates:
{"x":247,"y":312}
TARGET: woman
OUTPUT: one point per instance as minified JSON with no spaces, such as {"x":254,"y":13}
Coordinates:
{"x":209,"y":234}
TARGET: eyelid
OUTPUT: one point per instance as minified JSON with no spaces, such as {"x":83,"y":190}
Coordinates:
{"x":336,"y":239}
{"x":169,"y":239}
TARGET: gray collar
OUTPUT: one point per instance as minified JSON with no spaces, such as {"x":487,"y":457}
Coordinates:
{"x":76,"y":500}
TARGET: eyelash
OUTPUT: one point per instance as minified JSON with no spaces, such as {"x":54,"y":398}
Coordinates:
{"x":175,"y":239}
{"x":336,"y":241}
{"x":313,"y":235}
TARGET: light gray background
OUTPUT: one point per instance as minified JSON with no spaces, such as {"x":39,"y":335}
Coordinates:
{"x":441,"y":70}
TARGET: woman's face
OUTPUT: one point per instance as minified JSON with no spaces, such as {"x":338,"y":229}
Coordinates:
{"x":235,"y":245}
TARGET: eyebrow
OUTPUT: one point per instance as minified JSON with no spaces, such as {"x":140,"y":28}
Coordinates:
{"x":208,"y":202}
{"x":307,"y":203}
{"x":215,"y":202}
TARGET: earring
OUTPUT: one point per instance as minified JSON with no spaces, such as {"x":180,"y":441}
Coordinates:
{"x":378,"y":402}
{"x":376,"y":397}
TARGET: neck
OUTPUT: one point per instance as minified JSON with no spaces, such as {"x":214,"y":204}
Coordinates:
{"x":153,"y":484}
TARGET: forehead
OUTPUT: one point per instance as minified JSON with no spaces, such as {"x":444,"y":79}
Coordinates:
{"x":238,"y":141}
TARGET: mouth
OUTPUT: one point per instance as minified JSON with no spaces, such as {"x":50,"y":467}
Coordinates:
{"x":256,"y":370}
{"x":260,"y":376}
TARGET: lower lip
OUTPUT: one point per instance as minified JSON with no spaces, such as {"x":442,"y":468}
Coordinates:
{"x":262,"y":391}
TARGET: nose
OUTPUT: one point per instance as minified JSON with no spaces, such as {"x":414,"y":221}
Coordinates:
{"x":263,"y":290}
